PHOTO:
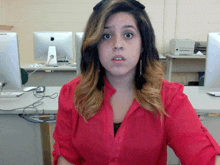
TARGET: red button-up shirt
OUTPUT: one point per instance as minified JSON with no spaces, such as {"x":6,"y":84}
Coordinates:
{"x":140,"y":140}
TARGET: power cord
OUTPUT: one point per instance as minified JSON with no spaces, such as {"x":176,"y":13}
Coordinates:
{"x":36,"y":70}
{"x":46,"y":63}
{"x":51,"y":57}
{"x":35,"y":119}
{"x":31,"y":118}
{"x":42,"y":95}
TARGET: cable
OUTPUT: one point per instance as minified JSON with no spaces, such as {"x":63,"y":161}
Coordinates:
{"x":33,"y":120}
{"x":47,"y":63}
{"x":51,"y":57}
{"x":37,"y":78}
{"x":36,"y":70}
{"x":39,"y":95}
{"x":34,"y":106}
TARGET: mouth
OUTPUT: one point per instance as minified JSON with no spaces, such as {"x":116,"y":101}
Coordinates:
{"x":118,"y":58}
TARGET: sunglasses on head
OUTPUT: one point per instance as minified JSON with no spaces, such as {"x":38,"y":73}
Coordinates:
{"x":134,"y":2}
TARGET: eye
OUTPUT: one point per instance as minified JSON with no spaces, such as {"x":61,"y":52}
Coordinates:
{"x":128,"y":35}
{"x":107,"y":36}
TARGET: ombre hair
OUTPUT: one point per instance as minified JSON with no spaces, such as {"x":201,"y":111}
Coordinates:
{"x":89,"y":93}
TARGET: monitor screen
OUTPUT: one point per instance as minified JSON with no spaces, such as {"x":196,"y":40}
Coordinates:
{"x":56,"y":44}
{"x":212,"y":68}
{"x":10,"y":72}
{"x":78,"y":45}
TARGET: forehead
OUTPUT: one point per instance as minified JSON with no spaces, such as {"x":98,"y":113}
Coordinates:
{"x":121,"y":19}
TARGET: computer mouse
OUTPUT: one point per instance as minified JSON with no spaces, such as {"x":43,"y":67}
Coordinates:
{"x":40,"y":89}
{"x":27,"y":89}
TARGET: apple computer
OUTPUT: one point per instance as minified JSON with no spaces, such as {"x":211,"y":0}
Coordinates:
{"x":78,"y":42}
{"x":10,"y":73}
{"x":212,"y":69}
{"x":50,"y":46}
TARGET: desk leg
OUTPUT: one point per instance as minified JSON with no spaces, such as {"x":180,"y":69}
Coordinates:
{"x":169,"y":68}
{"x":46,"y":142}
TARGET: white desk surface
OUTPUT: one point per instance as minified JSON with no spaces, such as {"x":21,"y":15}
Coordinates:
{"x":50,"y":106}
{"x":202,"y":102}
{"x":61,"y":67}
{"x":194,"y":56}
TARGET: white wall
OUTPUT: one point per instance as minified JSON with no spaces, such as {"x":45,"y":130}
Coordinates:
{"x":192,"y":19}
{"x":188,"y":19}
{"x":28,"y":16}
{"x":2,"y":12}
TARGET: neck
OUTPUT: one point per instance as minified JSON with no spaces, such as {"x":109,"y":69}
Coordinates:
{"x":125,"y":82}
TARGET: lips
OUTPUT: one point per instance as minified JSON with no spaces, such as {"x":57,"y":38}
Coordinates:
{"x":118,"y":58}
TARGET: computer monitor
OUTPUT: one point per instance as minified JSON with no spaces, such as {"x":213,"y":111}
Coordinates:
{"x":50,"y":46}
{"x":78,"y":45}
{"x":212,"y":68}
{"x":10,"y":73}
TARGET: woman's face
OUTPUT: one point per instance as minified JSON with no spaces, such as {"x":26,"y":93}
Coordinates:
{"x":120,"y":46}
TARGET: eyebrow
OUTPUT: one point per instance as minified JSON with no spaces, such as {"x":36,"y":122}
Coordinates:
{"x":124,"y":27}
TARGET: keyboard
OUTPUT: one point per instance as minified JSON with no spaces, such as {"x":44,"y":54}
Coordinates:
{"x":10,"y":94}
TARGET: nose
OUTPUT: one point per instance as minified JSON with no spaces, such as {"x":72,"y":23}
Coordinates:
{"x":117,"y":43}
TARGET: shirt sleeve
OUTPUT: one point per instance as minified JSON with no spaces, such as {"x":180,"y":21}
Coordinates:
{"x":186,"y":135}
{"x":65,"y":124}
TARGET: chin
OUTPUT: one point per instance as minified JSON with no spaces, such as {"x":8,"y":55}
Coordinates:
{"x":120,"y":72}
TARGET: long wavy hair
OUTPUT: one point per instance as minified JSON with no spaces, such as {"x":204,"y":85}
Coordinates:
{"x":89,"y":93}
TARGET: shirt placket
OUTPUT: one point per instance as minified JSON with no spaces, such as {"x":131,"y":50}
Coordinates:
{"x":114,"y":144}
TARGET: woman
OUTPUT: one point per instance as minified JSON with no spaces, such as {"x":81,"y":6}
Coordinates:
{"x":121,"y":85}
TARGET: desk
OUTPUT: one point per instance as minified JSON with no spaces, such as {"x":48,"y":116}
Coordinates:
{"x":21,"y":140}
{"x":49,"y":76}
{"x":60,"y":67}
{"x":55,"y":76}
{"x":194,"y":63}
{"x":49,"y":107}
{"x":202,"y":102}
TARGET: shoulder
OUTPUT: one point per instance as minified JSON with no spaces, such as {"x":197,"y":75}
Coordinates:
{"x":169,"y":88}
{"x":73,"y":83}
{"x":67,"y":90}
{"x":172,"y":93}
{"x":70,"y":86}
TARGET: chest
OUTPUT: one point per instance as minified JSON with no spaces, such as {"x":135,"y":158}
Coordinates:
{"x":137,"y":142}
{"x":120,"y":104}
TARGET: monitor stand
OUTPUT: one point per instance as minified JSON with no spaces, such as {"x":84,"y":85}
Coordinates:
{"x":52,"y":56}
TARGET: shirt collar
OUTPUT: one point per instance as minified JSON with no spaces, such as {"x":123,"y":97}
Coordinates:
{"x":108,"y":89}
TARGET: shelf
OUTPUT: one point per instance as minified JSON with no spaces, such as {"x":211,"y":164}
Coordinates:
{"x":6,"y":27}
{"x":194,"y":56}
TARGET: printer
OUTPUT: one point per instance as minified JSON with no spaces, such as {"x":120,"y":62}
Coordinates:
{"x":200,"y":46}
{"x":182,"y":47}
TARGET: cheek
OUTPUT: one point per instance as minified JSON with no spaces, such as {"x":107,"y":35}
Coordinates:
{"x":104,"y":49}
{"x":135,"y":52}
